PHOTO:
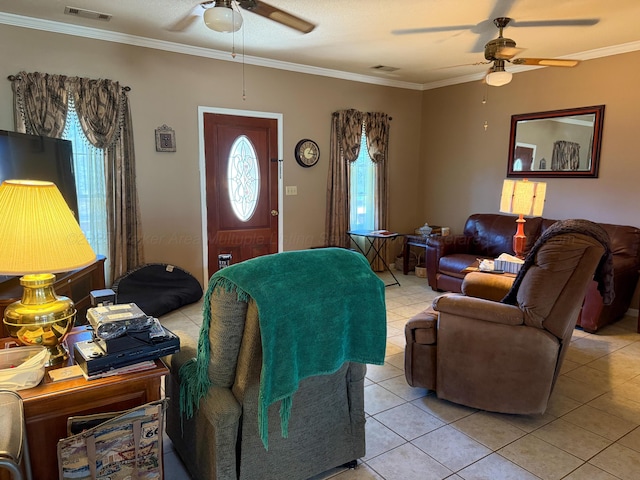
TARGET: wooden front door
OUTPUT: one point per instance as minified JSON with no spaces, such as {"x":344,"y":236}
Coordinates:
{"x":525,"y":155}
{"x":241,"y":162}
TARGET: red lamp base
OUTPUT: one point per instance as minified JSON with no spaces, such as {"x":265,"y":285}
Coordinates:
{"x":519,"y":239}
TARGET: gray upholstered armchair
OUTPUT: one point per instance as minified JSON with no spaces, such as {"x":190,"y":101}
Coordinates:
{"x":505,"y":356}
{"x":319,"y":307}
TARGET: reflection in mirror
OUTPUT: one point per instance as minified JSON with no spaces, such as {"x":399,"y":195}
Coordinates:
{"x":561,"y":143}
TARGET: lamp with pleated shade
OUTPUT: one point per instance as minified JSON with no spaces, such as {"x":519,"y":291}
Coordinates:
{"x":39,"y":236}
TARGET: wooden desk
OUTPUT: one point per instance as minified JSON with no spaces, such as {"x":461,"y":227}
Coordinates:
{"x":47,"y":406}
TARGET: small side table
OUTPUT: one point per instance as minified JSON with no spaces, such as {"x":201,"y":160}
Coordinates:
{"x":416,"y":241}
{"x":47,"y":406}
{"x":371,"y":237}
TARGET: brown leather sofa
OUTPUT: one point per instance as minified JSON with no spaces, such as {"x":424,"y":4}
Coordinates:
{"x":504,"y":357}
{"x":487,"y":235}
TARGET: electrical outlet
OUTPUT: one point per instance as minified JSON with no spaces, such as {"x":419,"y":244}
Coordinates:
{"x":291,"y":190}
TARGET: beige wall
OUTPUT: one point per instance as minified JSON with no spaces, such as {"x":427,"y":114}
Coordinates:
{"x":168,"y":88}
{"x":444,"y":164}
{"x":463,"y":165}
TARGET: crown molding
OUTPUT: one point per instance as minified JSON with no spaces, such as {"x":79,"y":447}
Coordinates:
{"x":588,"y":55}
{"x":116,"y":37}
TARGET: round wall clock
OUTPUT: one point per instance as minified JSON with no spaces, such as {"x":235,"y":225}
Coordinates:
{"x":307,"y":152}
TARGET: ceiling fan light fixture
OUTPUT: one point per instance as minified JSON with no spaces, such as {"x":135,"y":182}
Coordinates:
{"x":498,"y":79}
{"x":222,"y":19}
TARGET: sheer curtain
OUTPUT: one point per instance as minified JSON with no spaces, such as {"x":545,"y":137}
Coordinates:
{"x":41,"y":103}
{"x":88,"y":165}
{"x":362,"y":193}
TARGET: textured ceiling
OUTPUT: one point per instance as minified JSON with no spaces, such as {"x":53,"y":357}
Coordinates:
{"x":352,"y":36}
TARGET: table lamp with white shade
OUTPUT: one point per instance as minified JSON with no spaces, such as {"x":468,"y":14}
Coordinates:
{"x":39,"y":236}
{"x":522,"y":197}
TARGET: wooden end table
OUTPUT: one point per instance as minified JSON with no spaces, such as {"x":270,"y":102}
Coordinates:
{"x":47,"y":406}
{"x":416,"y":241}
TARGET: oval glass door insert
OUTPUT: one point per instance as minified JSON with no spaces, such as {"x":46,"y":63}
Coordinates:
{"x":243,"y":177}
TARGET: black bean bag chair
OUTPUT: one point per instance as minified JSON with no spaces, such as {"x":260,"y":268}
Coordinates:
{"x":157,"y":288}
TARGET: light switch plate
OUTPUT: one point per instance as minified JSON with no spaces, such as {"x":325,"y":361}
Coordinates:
{"x":291,"y":190}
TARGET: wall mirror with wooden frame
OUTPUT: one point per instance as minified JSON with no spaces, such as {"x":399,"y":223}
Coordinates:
{"x":559,"y":143}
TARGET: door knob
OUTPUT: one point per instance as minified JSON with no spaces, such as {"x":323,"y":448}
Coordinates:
{"x":274,"y":213}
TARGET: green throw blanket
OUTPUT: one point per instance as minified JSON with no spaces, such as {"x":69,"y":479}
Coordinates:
{"x":317,"y":309}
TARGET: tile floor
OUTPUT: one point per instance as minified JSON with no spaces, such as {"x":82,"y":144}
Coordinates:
{"x":591,"y":430}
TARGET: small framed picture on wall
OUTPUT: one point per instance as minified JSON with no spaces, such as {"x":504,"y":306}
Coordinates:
{"x":165,"y":139}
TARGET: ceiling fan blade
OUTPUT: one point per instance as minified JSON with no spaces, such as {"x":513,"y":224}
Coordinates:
{"x":444,"y":28}
{"x":277,"y":15}
{"x":507,"y":53}
{"x":483,"y":39}
{"x":500,"y":9}
{"x":189,"y":19}
{"x":546,"y":62}
{"x":578,"y":22}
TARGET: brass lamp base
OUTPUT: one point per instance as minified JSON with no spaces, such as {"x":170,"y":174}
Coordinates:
{"x":57,"y":354}
{"x":41,"y":318}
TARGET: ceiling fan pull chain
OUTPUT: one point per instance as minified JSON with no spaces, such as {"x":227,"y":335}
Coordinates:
{"x":485,"y":99}
{"x":233,"y":44}
{"x":244,"y":92}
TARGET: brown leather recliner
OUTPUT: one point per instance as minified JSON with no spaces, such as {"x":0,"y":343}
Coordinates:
{"x":497,"y":356}
{"x":487,"y":235}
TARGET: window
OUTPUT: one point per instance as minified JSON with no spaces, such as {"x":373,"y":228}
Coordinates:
{"x":88,"y":166}
{"x":362,"y":190}
{"x":243,"y":177}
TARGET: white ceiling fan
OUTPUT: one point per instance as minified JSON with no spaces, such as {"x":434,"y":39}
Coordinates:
{"x":224,"y":16}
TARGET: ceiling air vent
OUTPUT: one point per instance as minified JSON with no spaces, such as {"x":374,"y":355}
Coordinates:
{"x":79,"y":12}
{"x":384,"y":68}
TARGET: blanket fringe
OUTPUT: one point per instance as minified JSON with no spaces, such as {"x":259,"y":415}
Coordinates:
{"x":194,"y":375}
{"x":263,"y":424}
{"x":285,"y":413}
